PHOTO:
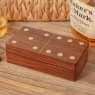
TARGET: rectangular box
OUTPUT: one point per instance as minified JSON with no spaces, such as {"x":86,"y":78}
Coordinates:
{"x":48,"y":52}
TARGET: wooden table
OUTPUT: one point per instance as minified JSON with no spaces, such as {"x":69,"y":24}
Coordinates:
{"x":16,"y":80}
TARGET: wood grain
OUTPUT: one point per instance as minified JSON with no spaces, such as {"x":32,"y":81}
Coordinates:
{"x":22,"y":53}
{"x":16,"y":80}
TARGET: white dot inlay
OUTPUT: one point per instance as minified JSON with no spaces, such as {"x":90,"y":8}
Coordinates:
{"x":48,"y":51}
{"x":81,"y":43}
{"x":35,"y":47}
{"x":26,"y":29}
{"x":60,"y":54}
{"x":30,"y":38}
{"x":72,"y":57}
{"x":59,"y":38}
{"x":14,"y":42}
{"x":70,"y":40}
{"x":46,"y":35}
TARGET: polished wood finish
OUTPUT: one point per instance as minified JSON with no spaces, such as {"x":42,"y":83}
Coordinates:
{"x":47,"y":52}
{"x":0,"y":59}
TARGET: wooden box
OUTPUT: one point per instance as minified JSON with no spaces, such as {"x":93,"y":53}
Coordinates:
{"x":46,"y":52}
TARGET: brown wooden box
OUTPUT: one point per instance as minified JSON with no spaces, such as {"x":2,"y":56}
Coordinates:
{"x":50,"y":53}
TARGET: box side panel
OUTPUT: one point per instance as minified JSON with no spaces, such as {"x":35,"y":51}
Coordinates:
{"x":40,"y":66}
{"x":80,"y":66}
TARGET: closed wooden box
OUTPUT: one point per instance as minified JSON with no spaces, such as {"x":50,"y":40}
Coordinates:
{"x":46,"y":52}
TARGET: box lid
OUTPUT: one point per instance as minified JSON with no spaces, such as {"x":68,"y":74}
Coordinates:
{"x":47,"y":47}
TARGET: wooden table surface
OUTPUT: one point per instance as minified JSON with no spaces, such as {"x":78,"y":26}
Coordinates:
{"x":16,"y":80}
